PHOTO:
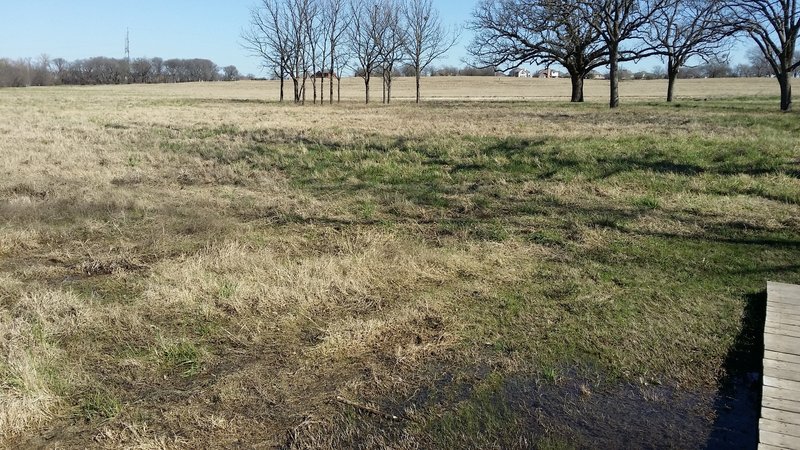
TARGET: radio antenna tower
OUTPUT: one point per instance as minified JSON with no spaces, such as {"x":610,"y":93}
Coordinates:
{"x":128,"y":45}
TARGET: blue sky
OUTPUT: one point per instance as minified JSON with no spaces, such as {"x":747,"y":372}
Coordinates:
{"x":167,"y":28}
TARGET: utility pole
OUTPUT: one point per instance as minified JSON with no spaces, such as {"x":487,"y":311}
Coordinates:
{"x":127,"y":55}
{"x":128,"y":45}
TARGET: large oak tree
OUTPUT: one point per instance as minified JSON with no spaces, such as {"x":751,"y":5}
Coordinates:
{"x":689,"y":29}
{"x":622,"y":26}
{"x":773,"y":25}
{"x":509,"y":33}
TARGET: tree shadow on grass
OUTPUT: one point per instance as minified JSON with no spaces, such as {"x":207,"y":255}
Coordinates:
{"x":738,"y":400}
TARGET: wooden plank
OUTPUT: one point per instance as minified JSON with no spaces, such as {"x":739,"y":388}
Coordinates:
{"x":782,"y":329}
{"x":795,"y":359}
{"x":779,"y":427}
{"x":789,"y":319}
{"x":782,"y":344}
{"x":781,"y":416}
{"x":770,"y":447}
{"x":779,"y":303}
{"x":779,"y":364}
{"x":782,"y":319}
{"x":783,"y":299}
{"x":790,"y":293}
{"x":782,"y":384}
{"x":784,"y":295}
{"x":782,"y":370}
{"x":781,"y":307}
{"x":777,"y":308}
{"x":781,"y":404}
{"x":787,"y":375}
{"x":782,"y":288}
{"x":779,"y":440}
{"x":784,"y":394}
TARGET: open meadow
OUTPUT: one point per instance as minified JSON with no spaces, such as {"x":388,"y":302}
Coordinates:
{"x":196,"y":265}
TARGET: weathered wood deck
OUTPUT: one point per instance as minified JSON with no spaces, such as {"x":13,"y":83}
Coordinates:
{"x":779,"y":427}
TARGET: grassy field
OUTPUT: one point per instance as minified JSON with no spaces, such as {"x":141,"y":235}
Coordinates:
{"x":460,"y":89}
{"x":196,"y":266}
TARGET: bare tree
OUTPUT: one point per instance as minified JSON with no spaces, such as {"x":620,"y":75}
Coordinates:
{"x":331,"y":26}
{"x":141,"y":69}
{"x":365,"y":27}
{"x":717,"y":67}
{"x":157,"y":70}
{"x":14,"y":73}
{"x":40,"y":73}
{"x":619,"y":22}
{"x":268,"y":38}
{"x":426,"y":39}
{"x":392,"y":43}
{"x":337,"y":23}
{"x":687,"y":29}
{"x":59,"y":68}
{"x":773,"y":25}
{"x":43,"y":71}
{"x":300,"y":51}
{"x":514,"y":32}
{"x":321,"y":34}
{"x":230,"y":73}
{"x":316,"y":54}
{"x":759,"y":66}
{"x":341,"y":61}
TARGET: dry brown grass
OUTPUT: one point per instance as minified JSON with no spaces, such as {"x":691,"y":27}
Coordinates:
{"x":179,"y":267}
{"x":461,"y":88}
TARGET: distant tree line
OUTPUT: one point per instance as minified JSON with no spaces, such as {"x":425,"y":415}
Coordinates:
{"x":408,"y":70}
{"x":715,"y":67}
{"x":44,"y":71}
{"x":305,"y":42}
{"x":453,"y":71}
{"x":584,"y":35}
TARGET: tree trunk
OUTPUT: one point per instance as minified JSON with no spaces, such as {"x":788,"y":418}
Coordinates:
{"x":417,"y":77}
{"x":671,"y":86}
{"x":330,"y":97}
{"x":338,"y":89}
{"x":366,"y":88}
{"x":672,"y":75}
{"x":322,"y":90}
{"x":296,"y":90}
{"x":282,"y":88}
{"x":577,"y":87}
{"x":314,"y":88}
{"x":389,"y":90}
{"x":786,"y":91}
{"x":613,"y":74}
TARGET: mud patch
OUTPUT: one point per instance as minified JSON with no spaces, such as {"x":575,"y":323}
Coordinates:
{"x":633,"y":416}
{"x":576,"y":412}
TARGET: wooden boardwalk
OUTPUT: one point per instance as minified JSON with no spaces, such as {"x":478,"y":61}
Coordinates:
{"x":779,"y":427}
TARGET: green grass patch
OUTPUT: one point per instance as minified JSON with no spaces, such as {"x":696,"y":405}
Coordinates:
{"x":485,"y":418}
{"x":182,"y":358}
{"x":99,"y":405}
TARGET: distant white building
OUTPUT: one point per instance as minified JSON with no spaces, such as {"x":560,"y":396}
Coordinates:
{"x":520,"y":73}
{"x":548,"y":73}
